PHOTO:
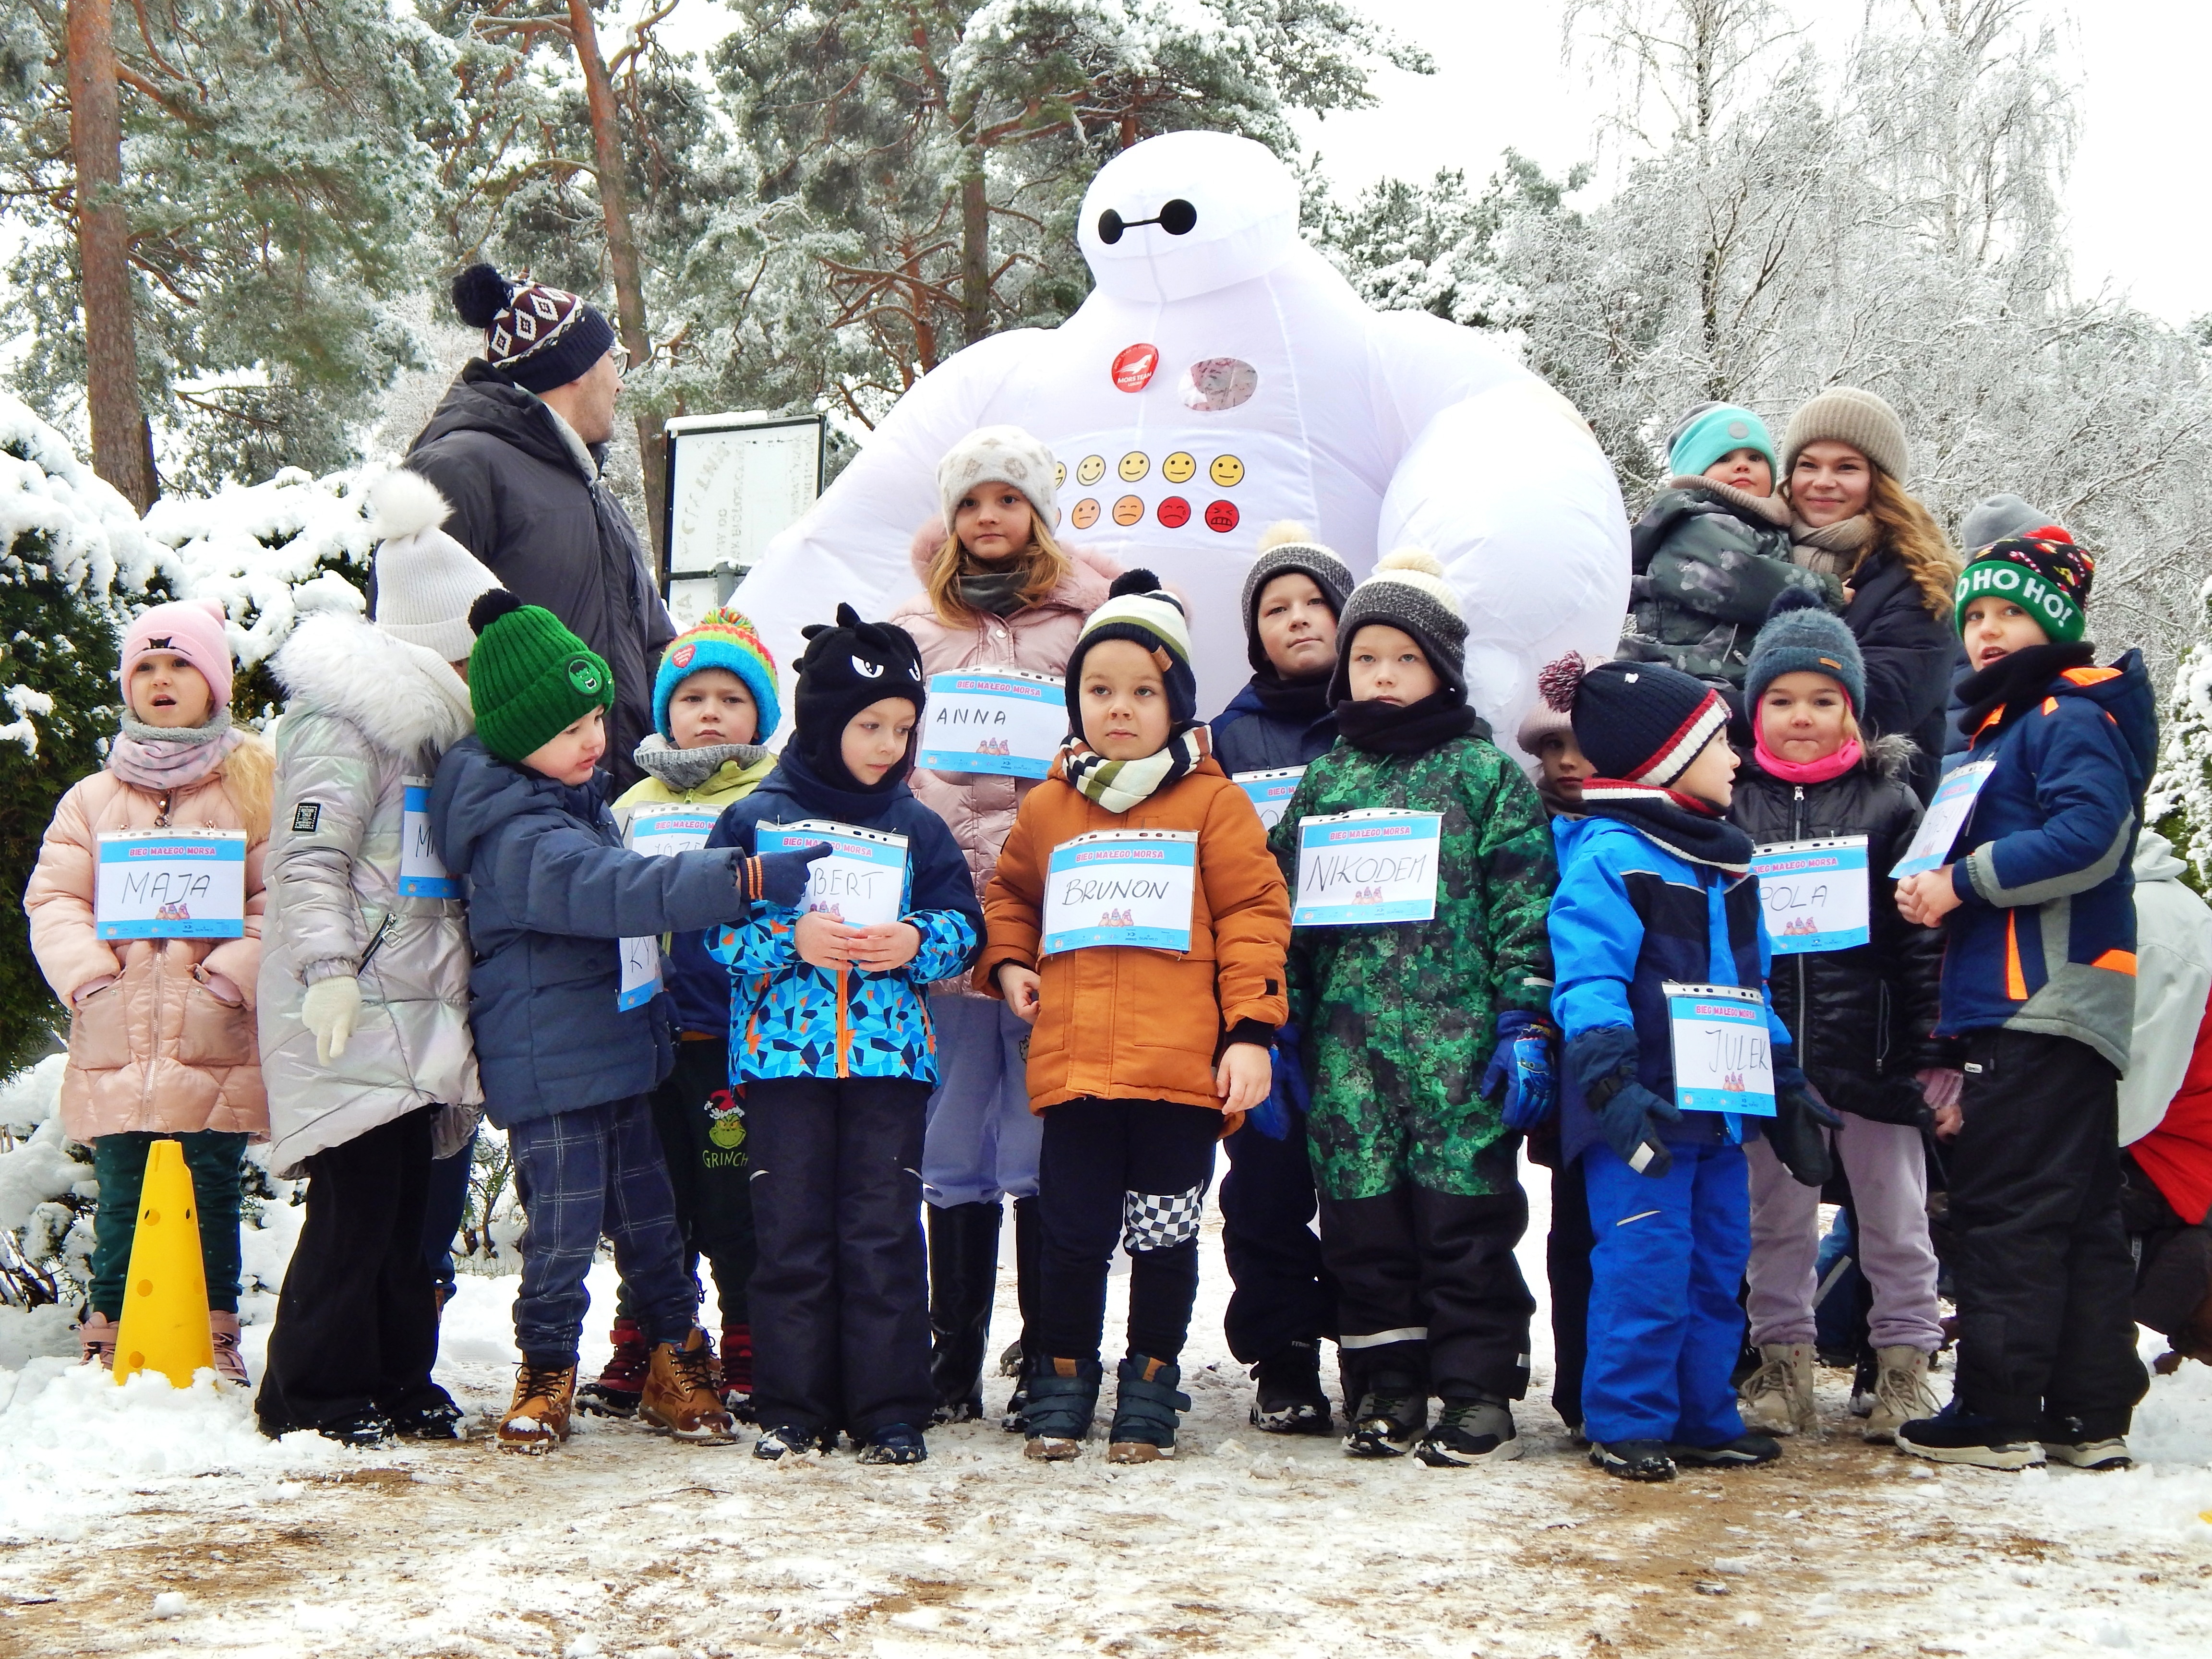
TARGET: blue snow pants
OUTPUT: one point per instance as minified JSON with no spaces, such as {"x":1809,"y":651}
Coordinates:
{"x":1665,"y":1326}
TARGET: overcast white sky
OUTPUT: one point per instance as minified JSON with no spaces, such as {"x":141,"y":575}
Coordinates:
{"x":2137,"y":197}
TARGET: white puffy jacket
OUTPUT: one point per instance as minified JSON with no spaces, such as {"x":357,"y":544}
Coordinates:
{"x":2174,"y":978}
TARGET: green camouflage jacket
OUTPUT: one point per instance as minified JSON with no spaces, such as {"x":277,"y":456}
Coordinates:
{"x":1398,"y":1021}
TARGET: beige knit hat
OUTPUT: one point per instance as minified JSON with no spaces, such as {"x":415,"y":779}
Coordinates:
{"x":1848,"y":415}
{"x":1001,"y":454}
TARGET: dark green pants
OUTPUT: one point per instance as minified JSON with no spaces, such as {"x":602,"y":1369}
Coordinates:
{"x":215,"y":1159}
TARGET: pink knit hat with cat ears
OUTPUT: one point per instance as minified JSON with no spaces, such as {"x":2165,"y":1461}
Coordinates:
{"x":190,"y":629}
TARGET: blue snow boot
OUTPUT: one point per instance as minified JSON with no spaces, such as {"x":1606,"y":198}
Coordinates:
{"x":1146,"y":1408}
{"x":1063,"y":1396}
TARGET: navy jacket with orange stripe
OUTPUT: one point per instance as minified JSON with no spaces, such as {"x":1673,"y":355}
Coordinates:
{"x":2044,"y":939}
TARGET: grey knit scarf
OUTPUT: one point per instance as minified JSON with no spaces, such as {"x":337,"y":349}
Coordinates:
{"x":687,"y":769}
{"x":1834,"y":550}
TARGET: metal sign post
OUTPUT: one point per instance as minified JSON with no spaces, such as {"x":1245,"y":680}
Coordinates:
{"x":734,"y":483}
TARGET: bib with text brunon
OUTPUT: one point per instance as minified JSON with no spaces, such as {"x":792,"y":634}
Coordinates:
{"x":1947,"y":816}
{"x":994,"y":719}
{"x":170,"y":884}
{"x":1128,"y":887}
{"x":1814,"y":893}
{"x":862,"y":883}
{"x":1360,"y":869}
{"x":422,"y":873}
{"x":1724,"y":1052}
{"x":1269,"y":792}
{"x":657,"y":832}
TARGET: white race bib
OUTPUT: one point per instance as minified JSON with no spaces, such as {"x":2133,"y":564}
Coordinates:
{"x":1947,"y":816}
{"x":1128,"y":887}
{"x":1270,"y":792}
{"x":641,"y":971}
{"x":1724,"y":1051}
{"x":659,"y":831}
{"x":1814,"y":893}
{"x":422,"y":873}
{"x":170,"y":884}
{"x":994,"y":719}
{"x":1361,"y":869}
{"x":863,"y":881}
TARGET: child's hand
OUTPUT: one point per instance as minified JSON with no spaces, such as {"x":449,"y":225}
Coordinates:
{"x":1243,"y":1077}
{"x":1022,"y":989}
{"x":1949,"y":1120}
{"x":824,"y":942}
{"x":880,"y":950}
{"x":1925,"y":899}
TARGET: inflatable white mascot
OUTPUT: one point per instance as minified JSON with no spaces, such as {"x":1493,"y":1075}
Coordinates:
{"x":1223,"y":376}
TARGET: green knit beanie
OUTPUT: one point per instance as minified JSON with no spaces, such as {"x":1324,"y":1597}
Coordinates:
{"x":530,"y":678}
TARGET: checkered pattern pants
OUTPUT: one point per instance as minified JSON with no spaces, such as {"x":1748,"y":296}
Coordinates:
{"x":579,"y":1174}
{"x":1131,"y":1170}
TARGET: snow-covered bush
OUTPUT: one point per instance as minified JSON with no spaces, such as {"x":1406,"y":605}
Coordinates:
{"x":2179,"y":804}
{"x":47,"y":1194}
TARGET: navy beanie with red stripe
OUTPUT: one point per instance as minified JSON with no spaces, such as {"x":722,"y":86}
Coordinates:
{"x":1642,"y":722}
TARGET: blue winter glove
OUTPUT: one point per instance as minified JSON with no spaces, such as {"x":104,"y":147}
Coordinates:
{"x":1800,"y":1115}
{"x":1520,"y":1069}
{"x":1288,"y":1093}
{"x":1629,"y":1115}
{"x":780,"y":879}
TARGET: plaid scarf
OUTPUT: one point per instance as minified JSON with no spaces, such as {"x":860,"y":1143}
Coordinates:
{"x":1122,"y":786}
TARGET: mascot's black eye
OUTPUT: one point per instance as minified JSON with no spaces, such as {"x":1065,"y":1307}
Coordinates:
{"x":1178,"y":217}
{"x":1109,"y":227}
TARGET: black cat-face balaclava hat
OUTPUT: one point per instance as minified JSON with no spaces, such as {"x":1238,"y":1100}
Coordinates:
{"x":848,"y":666}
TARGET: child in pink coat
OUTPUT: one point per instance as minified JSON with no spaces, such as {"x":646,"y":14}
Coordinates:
{"x":162,"y":1041}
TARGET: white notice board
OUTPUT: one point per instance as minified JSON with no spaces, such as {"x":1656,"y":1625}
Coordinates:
{"x":734,"y":483}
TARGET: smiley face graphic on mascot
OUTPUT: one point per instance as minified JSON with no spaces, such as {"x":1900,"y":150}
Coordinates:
{"x":1223,"y":371}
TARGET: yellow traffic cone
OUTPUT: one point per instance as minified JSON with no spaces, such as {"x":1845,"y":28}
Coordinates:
{"x":165,"y":1306}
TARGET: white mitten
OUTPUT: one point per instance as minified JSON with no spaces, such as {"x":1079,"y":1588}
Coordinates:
{"x":329,"y":1010}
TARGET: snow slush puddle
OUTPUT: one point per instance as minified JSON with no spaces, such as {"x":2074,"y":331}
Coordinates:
{"x":141,"y":1519}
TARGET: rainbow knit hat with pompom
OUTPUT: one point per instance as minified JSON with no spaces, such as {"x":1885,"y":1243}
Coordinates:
{"x":721,"y":639}
{"x":1408,"y":590}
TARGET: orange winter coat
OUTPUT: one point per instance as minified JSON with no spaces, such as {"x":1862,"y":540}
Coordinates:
{"x":1123,"y":1023}
{"x":157,"y":1051}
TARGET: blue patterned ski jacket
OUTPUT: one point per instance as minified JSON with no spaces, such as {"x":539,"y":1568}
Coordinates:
{"x":790,"y":1019}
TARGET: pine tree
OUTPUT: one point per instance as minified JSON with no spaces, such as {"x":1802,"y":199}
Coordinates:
{"x":2179,"y":804}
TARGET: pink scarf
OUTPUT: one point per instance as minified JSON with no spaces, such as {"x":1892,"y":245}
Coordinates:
{"x":161,"y":760}
{"x":1819,"y":771}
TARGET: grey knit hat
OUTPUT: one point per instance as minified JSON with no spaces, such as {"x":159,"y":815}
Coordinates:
{"x":1803,"y":637}
{"x":1001,"y":454}
{"x":1848,"y":415}
{"x":1997,"y":518}
{"x":1289,"y":547}
{"x":1408,"y":590}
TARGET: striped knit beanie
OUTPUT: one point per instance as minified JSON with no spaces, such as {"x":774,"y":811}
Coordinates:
{"x":1138,"y":608}
{"x":721,"y":639}
{"x":2043,"y":574}
{"x":1643,"y":722}
{"x":1408,"y":592}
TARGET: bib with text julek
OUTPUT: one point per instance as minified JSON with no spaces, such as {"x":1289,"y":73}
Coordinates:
{"x":1122,"y":887}
{"x":170,"y":884}
{"x":862,"y":882}
{"x":1724,"y":1052}
{"x":657,"y":832}
{"x":993,"y":719}
{"x":1364,"y":868}
{"x":1814,"y":894}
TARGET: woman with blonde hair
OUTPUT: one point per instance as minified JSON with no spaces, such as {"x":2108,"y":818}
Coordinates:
{"x":1844,"y":458}
{"x":997,"y":592}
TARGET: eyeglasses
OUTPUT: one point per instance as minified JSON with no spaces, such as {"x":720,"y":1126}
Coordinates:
{"x":620,"y":353}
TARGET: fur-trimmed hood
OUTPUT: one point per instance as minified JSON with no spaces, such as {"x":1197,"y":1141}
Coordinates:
{"x":400,"y":695}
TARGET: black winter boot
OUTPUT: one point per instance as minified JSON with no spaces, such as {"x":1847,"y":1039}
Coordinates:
{"x":1287,"y":1397}
{"x":963,"y":1277}
{"x":1063,"y":1397}
{"x":1390,"y":1417}
{"x":1028,"y":1275}
{"x":1146,"y":1408}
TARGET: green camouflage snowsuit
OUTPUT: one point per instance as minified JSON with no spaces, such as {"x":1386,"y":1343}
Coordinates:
{"x":1704,"y":573}
{"x":1399,"y":1020}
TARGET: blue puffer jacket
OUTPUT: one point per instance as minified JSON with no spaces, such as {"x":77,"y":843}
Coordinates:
{"x":551,"y":890}
{"x":2044,"y":939}
{"x":1628,"y":916}
{"x":1248,"y":738}
{"x":790,"y":1019}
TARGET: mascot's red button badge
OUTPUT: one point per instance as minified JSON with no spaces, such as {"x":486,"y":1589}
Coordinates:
{"x":1134,"y":367}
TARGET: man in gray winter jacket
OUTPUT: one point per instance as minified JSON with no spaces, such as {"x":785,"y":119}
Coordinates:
{"x":515,"y":448}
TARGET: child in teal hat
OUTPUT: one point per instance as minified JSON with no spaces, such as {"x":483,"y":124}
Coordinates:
{"x":1712,"y":553}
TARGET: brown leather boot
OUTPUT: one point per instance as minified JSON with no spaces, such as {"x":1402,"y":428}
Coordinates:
{"x":680,"y":1395}
{"x":538,"y":1420}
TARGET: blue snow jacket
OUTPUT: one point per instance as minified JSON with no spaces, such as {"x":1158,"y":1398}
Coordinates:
{"x":1629,"y":915}
{"x":551,"y":890}
{"x":788,"y":1018}
{"x":1246,"y":738}
{"x":2044,"y":939}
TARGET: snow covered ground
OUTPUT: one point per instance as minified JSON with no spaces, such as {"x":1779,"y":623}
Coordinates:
{"x":141,"y":1519}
